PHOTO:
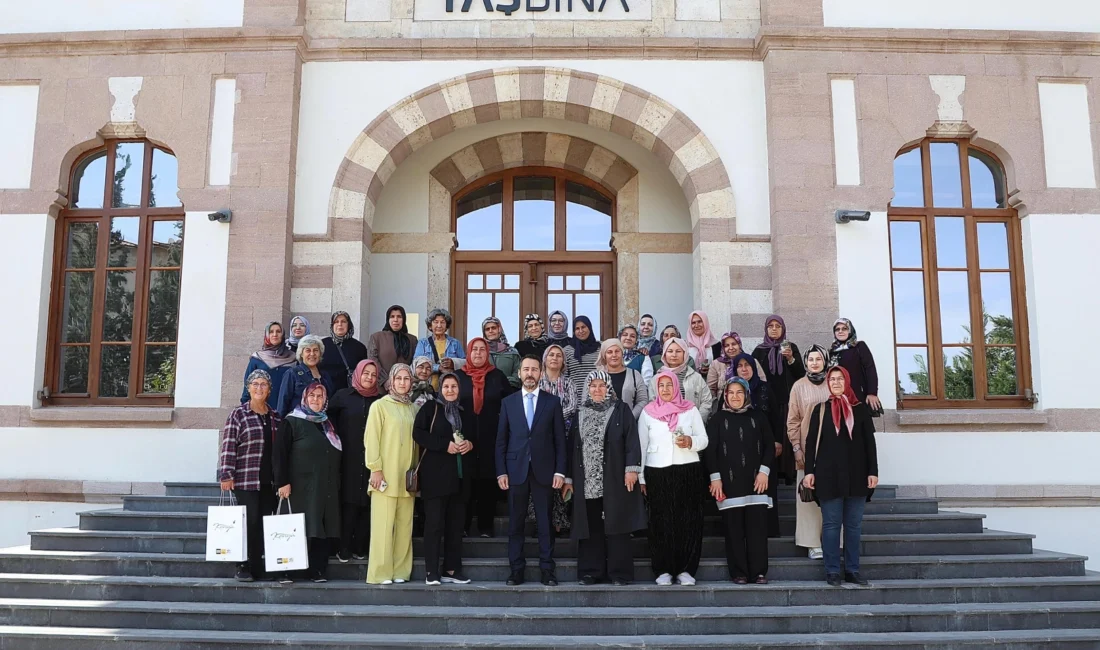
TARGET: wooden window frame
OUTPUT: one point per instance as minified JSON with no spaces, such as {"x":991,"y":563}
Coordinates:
{"x":142,"y":272}
{"x":926,"y":216}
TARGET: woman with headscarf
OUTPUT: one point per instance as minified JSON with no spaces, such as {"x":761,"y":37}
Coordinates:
{"x":394,"y":344}
{"x":306,"y":460}
{"x":691,"y":384}
{"x":722,"y":370}
{"x":274,"y":358}
{"x":348,"y":411}
{"x":534,"y":340}
{"x":738,"y":460}
{"x":581,"y":353}
{"x":669,"y":332}
{"x":647,"y":335}
{"x":700,"y":341}
{"x":245,"y":466}
{"x":854,"y":356}
{"x":632,"y":357}
{"x":556,"y":382}
{"x":765,"y":402}
{"x":627,"y":385}
{"x":422,"y":391}
{"x":503,"y":355}
{"x":390,"y":452}
{"x":444,"y":482}
{"x":299,"y":327}
{"x":342,"y":351}
{"x":604,"y":469}
{"x":481,"y":387}
{"x":558,"y":331}
{"x":842,"y":469}
{"x":305,"y":372}
{"x":671,"y":434}
{"x":444,"y":350}
{"x":782,"y":368}
{"x":806,"y":394}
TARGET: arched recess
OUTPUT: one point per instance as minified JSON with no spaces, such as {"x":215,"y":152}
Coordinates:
{"x":521,"y":92}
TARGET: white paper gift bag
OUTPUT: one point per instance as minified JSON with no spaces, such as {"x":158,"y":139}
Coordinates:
{"x":285,"y":540}
{"x":226,"y":533}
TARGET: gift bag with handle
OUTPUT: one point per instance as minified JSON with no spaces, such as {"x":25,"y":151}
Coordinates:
{"x":226,"y":532}
{"x":285,"y":540}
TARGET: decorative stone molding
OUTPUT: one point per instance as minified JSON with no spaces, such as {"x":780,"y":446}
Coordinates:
{"x":123,"y":124}
{"x":531,"y":148}
{"x":951,"y":130}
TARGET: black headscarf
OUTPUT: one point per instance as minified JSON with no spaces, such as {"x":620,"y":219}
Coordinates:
{"x":400,"y":339}
{"x":816,"y":378}
{"x":588,"y":345}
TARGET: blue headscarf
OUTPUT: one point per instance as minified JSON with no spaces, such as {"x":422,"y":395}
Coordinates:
{"x":756,"y":386}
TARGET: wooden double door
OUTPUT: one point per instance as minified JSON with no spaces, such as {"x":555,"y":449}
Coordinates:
{"x":511,"y":290}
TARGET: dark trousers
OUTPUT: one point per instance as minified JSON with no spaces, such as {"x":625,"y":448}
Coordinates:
{"x":257,"y":504}
{"x":355,"y":529}
{"x":543,"y":497}
{"x":603,"y":556}
{"x":317,"y":551}
{"x":483,"y":503}
{"x":772,"y":518}
{"x":746,"y":541}
{"x":444,"y":518}
{"x":846,"y":512}
{"x":675,"y":496}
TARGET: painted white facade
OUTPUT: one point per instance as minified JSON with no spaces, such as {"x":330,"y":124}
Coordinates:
{"x":1054,"y":15}
{"x":18,"y":117}
{"x":1069,"y":529}
{"x":92,"y":15}
{"x":26,"y":251}
{"x":661,"y":281}
{"x":845,"y":132}
{"x":221,"y":132}
{"x":1067,"y":135}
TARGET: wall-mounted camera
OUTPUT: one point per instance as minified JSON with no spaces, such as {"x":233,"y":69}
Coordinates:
{"x":223,"y":216}
{"x":844,"y":216}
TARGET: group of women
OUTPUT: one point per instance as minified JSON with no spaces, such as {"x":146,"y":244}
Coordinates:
{"x":356,"y":431}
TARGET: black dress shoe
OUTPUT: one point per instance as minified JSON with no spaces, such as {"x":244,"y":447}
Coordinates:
{"x":516,"y":578}
{"x":855,"y":579}
{"x":833,"y":579}
{"x":619,"y":582}
{"x":588,"y":580}
{"x":548,"y":578}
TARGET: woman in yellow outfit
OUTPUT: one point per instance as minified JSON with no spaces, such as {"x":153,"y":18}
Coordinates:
{"x":390,"y":453}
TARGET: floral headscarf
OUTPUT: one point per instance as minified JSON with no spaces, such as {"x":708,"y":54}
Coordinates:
{"x":561,"y":387}
{"x":748,"y":396}
{"x":838,"y":345}
{"x":403,"y":398}
{"x":305,"y":413}
{"x":501,"y":343}
{"x":816,"y":378}
{"x":541,"y":338}
{"x":628,"y":355}
{"x":609,"y":400}
{"x":351,"y":327}
{"x":274,"y":354}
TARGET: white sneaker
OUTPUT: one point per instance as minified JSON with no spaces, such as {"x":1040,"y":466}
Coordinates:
{"x":665,"y":579}
{"x":387,"y":582}
{"x":816,"y":554}
{"x":686,"y":579}
{"x":399,"y":580}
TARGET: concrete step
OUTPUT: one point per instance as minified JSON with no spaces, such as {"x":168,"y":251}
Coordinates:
{"x":497,"y":594}
{"x":558,"y":621}
{"x":1039,"y":563}
{"x":62,"y":638}
{"x":873,"y":524}
{"x":985,"y":543}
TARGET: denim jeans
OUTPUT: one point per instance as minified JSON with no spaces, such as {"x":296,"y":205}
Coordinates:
{"x":835,"y":512}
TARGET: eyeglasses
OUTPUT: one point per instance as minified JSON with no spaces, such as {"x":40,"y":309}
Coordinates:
{"x":260,"y":384}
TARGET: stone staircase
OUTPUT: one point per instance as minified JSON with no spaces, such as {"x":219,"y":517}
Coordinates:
{"x":136,"y":578}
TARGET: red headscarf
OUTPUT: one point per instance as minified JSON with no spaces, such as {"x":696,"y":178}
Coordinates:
{"x":842,"y":404}
{"x":668,"y":412}
{"x":477,"y":373}
{"x":357,"y":378}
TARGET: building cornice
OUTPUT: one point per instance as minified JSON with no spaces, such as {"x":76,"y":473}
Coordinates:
{"x":925,"y":41}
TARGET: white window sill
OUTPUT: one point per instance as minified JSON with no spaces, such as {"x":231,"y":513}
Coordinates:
{"x":952,"y":417}
{"x":118,"y":414}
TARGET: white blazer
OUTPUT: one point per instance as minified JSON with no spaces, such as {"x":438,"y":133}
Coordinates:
{"x":659,"y":444}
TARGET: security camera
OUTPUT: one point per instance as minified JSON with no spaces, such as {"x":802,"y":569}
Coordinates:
{"x":844,"y":216}
{"x":224,"y":216}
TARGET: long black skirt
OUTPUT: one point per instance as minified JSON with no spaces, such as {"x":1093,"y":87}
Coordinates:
{"x":676,"y":498}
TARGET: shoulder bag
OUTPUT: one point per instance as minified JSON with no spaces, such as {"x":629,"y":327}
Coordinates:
{"x":412,"y":477}
{"x":805,"y":494}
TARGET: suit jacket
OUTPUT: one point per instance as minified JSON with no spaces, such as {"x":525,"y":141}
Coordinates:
{"x":540,"y":447}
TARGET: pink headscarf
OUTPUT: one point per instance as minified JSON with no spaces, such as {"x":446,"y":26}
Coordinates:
{"x":357,"y":378}
{"x":668,"y":412}
{"x":700,"y":343}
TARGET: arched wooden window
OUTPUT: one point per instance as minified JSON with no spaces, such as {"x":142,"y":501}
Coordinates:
{"x":116,"y":284}
{"x":533,"y":239}
{"x":957,"y":267}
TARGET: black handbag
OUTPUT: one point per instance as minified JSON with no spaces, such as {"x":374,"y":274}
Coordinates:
{"x":805,"y":494}
{"x":412,"y":476}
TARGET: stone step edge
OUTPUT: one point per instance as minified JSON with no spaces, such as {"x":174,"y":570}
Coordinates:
{"x":184,"y":514}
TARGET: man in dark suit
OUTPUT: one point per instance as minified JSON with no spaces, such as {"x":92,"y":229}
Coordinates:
{"x":530,"y":458}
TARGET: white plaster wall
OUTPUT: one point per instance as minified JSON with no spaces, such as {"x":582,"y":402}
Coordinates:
{"x":403,"y":205}
{"x":202,"y":311}
{"x":663,"y":281}
{"x":134,"y":455}
{"x":18,"y":518}
{"x":18,"y":118}
{"x":22,"y":17}
{"x":724,"y":98}
{"x":1067,"y":135}
{"x":397,"y":279}
{"x":26,"y":252}
{"x":221,"y":132}
{"x":1052,"y":15}
{"x":1061,"y":261}
{"x":1068,"y":530}
{"x":845,"y":132}
{"x":863,"y":275}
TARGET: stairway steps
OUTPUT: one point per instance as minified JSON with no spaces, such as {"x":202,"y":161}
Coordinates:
{"x":559,"y":621}
{"x":1039,"y":563}
{"x":985,"y":543}
{"x":497,"y":594}
{"x":873,"y":524}
{"x":62,"y":638}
